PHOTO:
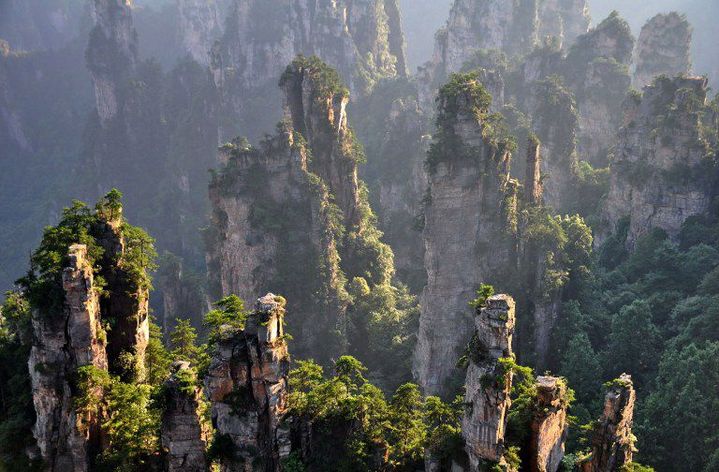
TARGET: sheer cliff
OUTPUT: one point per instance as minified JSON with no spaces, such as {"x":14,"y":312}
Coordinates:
{"x":361,"y":39}
{"x":292,"y":214}
{"x":470,"y":198}
{"x":663,"y":48}
{"x":662,"y":170}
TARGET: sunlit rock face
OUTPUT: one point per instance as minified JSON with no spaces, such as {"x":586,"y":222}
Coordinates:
{"x":63,"y":342}
{"x":663,"y":48}
{"x":564,"y":20}
{"x":549,"y":425}
{"x":487,"y":384}
{"x":661,"y":172}
{"x":247,"y":386}
{"x":613,"y":441}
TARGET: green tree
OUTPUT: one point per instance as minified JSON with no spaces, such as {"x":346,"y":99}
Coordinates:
{"x":580,"y":365}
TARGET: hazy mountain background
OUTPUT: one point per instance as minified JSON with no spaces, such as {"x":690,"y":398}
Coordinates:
{"x":422,"y":18}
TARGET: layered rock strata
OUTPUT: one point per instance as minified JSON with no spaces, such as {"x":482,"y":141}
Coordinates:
{"x":549,"y":425}
{"x":488,"y":382}
{"x":661,"y":172}
{"x":247,"y":385}
{"x":663,"y":48}
{"x":183,"y":435}
{"x":63,"y":342}
{"x":613,"y":441}
{"x":468,"y":228}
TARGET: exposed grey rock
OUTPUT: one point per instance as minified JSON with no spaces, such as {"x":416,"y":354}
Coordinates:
{"x":488,"y":384}
{"x":183,"y":435}
{"x":661,"y":172}
{"x":663,"y":48}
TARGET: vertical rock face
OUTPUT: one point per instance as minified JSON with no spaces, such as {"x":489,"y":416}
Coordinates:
{"x":613,"y":442}
{"x":597,"y":73}
{"x":247,"y":385}
{"x":30,"y":25}
{"x":661,"y":173}
{"x":358,"y":38}
{"x":182,"y":434}
{"x":111,"y":54}
{"x":564,"y":20}
{"x":549,"y":425}
{"x":200,"y":25}
{"x":663,"y":48}
{"x":487,"y":383}
{"x":276,"y":215}
{"x":554,"y":119}
{"x":61,"y":344}
{"x":468,"y":228}
{"x":533,"y":180}
{"x":402,"y":184}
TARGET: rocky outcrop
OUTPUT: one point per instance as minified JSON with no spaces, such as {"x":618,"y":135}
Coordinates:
{"x":613,"y":441}
{"x":247,"y":386}
{"x":111,"y":54}
{"x":488,"y":382}
{"x":183,"y":435}
{"x":554,"y":120}
{"x":563,"y":20}
{"x":357,"y":38}
{"x":597,"y":71}
{"x":533,"y":190}
{"x":63,"y":342}
{"x":663,"y":48}
{"x":660,"y":172}
{"x":549,"y":425}
{"x":468,"y":227}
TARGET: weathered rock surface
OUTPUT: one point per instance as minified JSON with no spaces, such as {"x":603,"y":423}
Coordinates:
{"x":613,"y":442}
{"x":663,"y":48}
{"x":661,"y":173}
{"x":597,"y":71}
{"x":549,"y":425}
{"x":488,"y":384}
{"x":563,"y":20}
{"x":200,"y":24}
{"x":111,"y":54}
{"x":63,"y":342}
{"x":467,"y":233}
{"x":360,"y":39}
{"x":183,"y":435}
{"x":247,"y":386}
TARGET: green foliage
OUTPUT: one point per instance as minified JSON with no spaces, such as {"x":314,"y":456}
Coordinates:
{"x":127,"y":418}
{"x":17,"y":413}
{"x":483,"y":294}
{"x":327,"y":82}
{"x":229,"y":311}
{"x":157,"y":359}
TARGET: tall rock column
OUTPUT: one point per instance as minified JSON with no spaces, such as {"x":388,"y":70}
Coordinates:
{"x":663,"y":48}
{"x":488,"y":382}
{"x":613,"y":442}
{"x":183,"y":435}
{"x":549,"y":425}
{"x":597,"y":71}
{"x":662,"y":171}
{"x":468,"y":229}
{"x":247,"y":385}
{"x":111,"y":54}
{"x":63,"y":342}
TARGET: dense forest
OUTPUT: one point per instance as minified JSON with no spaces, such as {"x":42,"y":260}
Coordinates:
{"x":359,"y":235}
